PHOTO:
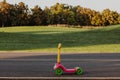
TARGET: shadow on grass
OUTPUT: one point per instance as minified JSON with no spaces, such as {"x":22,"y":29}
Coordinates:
{"x":49,"y":39}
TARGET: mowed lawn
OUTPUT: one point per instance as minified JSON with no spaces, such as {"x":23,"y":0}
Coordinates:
{"x":46,"y":39}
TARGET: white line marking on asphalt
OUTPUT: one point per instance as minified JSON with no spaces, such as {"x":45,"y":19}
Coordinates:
{"x":51,"y":78}
{"x":62,"y":59}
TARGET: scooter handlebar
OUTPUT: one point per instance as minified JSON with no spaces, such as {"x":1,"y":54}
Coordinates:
{"x":59,"y":45}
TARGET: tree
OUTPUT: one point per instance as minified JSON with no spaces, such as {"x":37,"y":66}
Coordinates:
{"x":119,"y":19}
{"x":4,"y":13}
{"x":82,"y":16}
{"x":56,"y":11}
{"x":48,"y":15}
{"x":38,"y":16}
{"x":22,"y":14}
{"x":96,"y":19}
{"x":110,"y":17}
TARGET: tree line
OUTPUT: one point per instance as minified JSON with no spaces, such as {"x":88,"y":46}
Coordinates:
{"x":20,"y":15}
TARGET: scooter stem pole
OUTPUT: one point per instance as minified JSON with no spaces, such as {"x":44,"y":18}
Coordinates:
{"x":58,"y":57}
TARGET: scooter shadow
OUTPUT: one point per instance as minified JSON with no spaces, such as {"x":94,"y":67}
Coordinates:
{"x":72,"y":74}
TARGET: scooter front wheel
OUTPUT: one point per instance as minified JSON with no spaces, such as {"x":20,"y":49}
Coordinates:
{"x":79,"y":71}
{"x":58,"y":71}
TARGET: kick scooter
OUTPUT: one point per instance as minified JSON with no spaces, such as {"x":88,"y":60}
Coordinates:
{"x":60,"y":69}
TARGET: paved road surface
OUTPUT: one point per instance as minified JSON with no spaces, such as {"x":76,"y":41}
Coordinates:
{"x":41,"y":65}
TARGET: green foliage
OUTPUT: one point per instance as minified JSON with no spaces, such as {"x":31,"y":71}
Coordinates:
{"x":110,"y":17}
{"x":119,"y":19}
{"x":4,"y":13}
{"x":20,"y":15}
{"x":96,"y":20}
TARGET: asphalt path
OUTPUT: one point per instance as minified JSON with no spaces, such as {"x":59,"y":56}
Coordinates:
{"x":41,"y":64}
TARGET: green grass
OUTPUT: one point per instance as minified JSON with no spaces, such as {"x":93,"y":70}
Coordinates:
{"x":45,"y":39}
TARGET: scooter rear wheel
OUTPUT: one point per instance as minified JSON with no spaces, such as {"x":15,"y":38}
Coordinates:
{"x":79,"y":71}
{"x":58,"y":71}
